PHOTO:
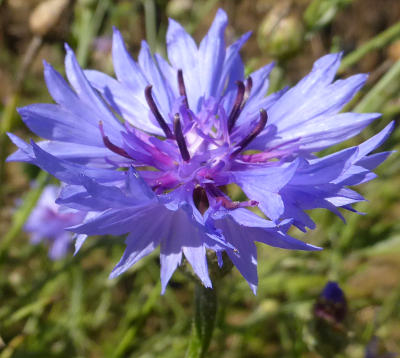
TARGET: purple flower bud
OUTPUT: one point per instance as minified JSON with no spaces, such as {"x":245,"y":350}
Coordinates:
{"x":331,"y":305}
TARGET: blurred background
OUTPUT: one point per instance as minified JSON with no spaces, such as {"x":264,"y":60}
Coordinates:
{"x":69,"y":308}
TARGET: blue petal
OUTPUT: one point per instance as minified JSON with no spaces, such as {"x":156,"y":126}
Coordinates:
{"x":87,"y":94}
{"x":345,"y":196}
{"x":116,"y":221}
{"x":60,"y":246}
{"x":129,"y":106}
{"x":77,"y":197}
{"x":170,"y":259}
{"x":245,"y":256}
{"x":79,"y":241}
{"x":308,"y":111}
{"x":241,"y":228}
{"x":161,"y":90}
{"x":323,"y":170}
{"x":183,"y":54}
{"x":113,"y":195}
{"x":138,"y":187}
{"x":87,"y":108}
{"x":374,"y":142}
{"x":23,"y":154}
{"x":233,"y":68}
{"x":321,"y":75}
{"x":264,"y":184}
{"x":79,"y":153}
{"x":140,"y":243}
{"x":58,"y":87}
{"x":374,"y":160}
{"x":168,"y":72}
{"x":51,"y":121}
{"x":126,"y":69}
{"x":187,"y":237}
{"x":69,"y":172}
{"x":212,"y":54}
{"x":271,"y":236}
{"x":321,"y":132}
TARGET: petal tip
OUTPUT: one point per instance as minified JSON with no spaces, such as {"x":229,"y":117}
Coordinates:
{"x":67,"y":48}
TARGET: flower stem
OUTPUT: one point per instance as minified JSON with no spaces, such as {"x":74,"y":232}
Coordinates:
{"x":9,"y":113}
{"x":204,"y":321}
{"x":150,"y":18}
{"x":89,"y":26}
{"x":379,"y":41}
{"x":23,"y":212}
{"x":386,"y":87}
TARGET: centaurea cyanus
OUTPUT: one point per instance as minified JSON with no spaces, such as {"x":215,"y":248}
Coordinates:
{"x":191,"y":126}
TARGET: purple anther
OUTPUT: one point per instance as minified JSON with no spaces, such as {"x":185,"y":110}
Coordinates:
{"x":180,"y":139}
{"x":153,"y":107}
{"x":200,"y":199}
{"x":182,"y":88}
{"x":110,"y":145}
{"x":233,"y":116}
{"x":254,"y":133}
{"x":247,"y":91}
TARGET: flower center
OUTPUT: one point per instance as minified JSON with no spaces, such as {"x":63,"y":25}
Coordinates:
{"x":199,"y":152}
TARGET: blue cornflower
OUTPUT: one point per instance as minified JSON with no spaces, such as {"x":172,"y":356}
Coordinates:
{"x":188,"y":124}
{"x":48,"y":221}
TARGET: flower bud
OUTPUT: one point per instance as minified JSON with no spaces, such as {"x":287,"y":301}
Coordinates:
{"x":321,"y":12}
{"x":46,"y":15}
{"x":327,"y":327}
{"x":281,"y":37}
{"x":179,"y":8}
{"x":331,"y":305}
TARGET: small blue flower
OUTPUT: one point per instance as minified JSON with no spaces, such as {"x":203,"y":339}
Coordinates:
{"x":188,"y":125}
{"x":49,"y":220}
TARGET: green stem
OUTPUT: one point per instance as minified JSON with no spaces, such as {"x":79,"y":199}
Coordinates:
{"x":136,"y":322}
{"x":23,"y":212}
{"x":381,"y":92}
{"x":377,"y":42}
{"x":204,"y":321}
{"x":90,"y":26}
{"x":9,"y":113}
{"x":5,"y":126}
{"x":150,"y":18}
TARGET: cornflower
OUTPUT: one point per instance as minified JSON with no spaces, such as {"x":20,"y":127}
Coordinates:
{"x":48,"y":220}
{"x":152,"y":152}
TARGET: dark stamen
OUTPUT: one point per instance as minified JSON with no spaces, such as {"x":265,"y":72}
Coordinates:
{"x":233,"y":116}
{"x":150,"y":101}
{"x":254,"y":133}
{"x":182,"y":88}
{"x":249,"y":86}
{"x":112,"y":146}
{"x":180,"y":139}
{"x":200,"y":199}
